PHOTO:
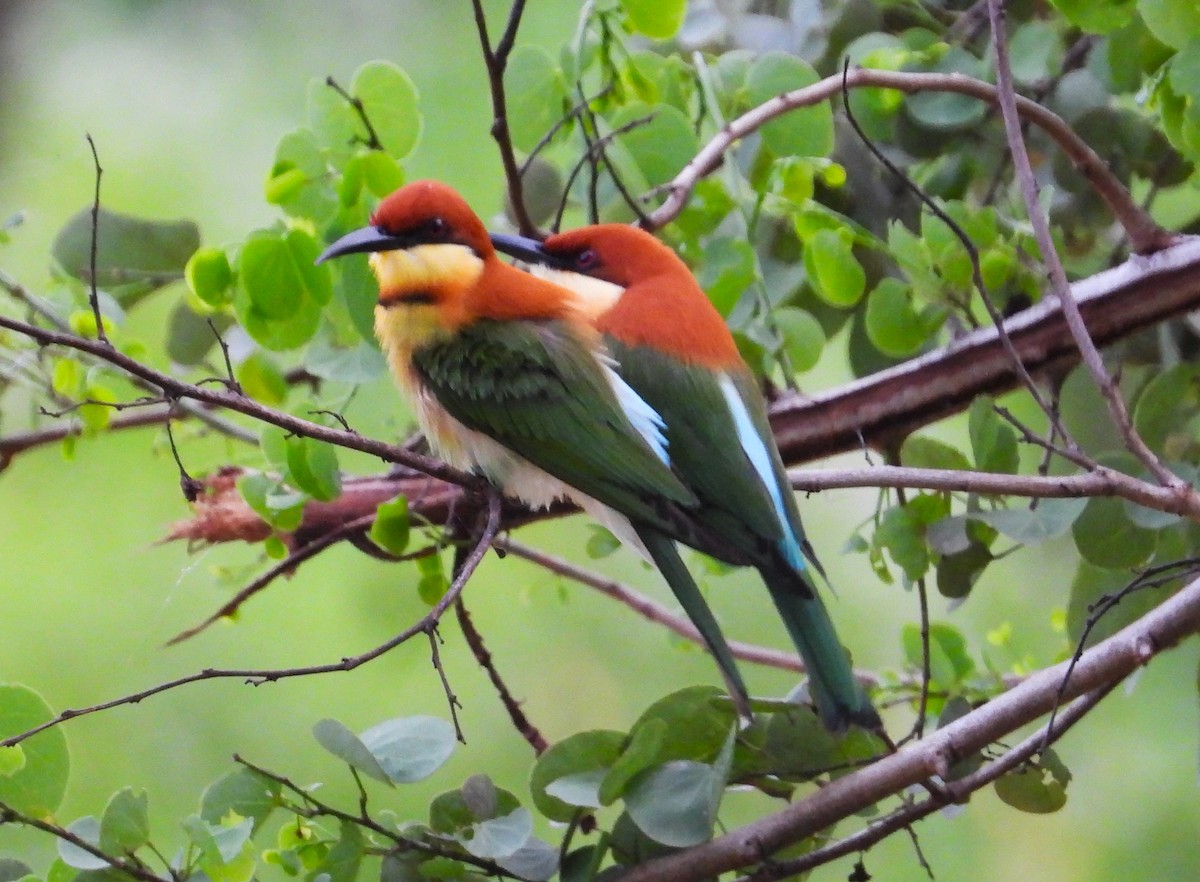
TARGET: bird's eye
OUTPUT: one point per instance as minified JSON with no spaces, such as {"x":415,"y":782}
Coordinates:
{"x":437,"y":227}
{"x":587,"y":259}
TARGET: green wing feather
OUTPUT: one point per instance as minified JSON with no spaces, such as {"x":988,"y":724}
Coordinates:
{"x":737,"y":506}
{"x":537,"y":389}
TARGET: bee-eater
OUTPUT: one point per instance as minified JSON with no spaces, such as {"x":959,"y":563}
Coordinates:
{"x":509,"y":378}
{"x":676,"y":352}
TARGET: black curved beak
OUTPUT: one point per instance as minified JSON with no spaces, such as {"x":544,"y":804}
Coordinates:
{"x":527,"y":250}
{"x":365,"y":240}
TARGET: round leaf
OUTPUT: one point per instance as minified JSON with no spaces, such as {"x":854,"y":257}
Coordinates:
{"x":410,"y":748}
{"x":389,"y":101}
{"x":658,"y":19}
{"x":803,"y":336}
{"x":674,"y":803}
{"x":804,"y":132}
{"x":1107,"y":538}
{"x":209,"y":276}
{"x":834,"y":271}
{"x":36,"y":788}
{"x":535,"y":91}
{"x":582,"y":753}
{"x":662,"y":145}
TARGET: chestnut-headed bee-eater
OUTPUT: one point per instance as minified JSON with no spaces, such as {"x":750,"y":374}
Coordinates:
{"x":509,"y":377}
{"x":676,"y":352}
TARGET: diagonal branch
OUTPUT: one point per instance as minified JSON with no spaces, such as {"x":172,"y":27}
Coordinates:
{"x":1145,"y":236}
{"x":1099,"y":668}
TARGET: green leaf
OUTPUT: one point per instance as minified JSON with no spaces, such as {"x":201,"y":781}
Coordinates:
{"x":410,"y":749}
{"x":1107,"y":538}
{"x":893,"y":324}
{"x":299,"y":180}
{"x":390,"y":529}
{"x":128,"y":249}
{"x":535,"y":95}
{"x":803,"y":336}
{"x":348,"y":747}
{"x":280,"y":291}
{"x":535,"y":860}
{"x":227,"y":855}
{"x":923,"y":452}
{"x":1096,"y":17}
{"x":949,"y":663}
{"x":1165,"y":406}
{"x":433,"y":583}
{"x":125,"y":825}
{"x":645,"y":750}
{"x":727,"y":271}
{"x":657,"y":19}
{"x":673,"y":804}
{"x":578,"y":754}
{"x":946,"y":111}
{"x":313,"y":466}
{"x":958,"y":572}
{"x":502,"y":836}
{"x":12,"y":760}
{"x":834,"y":271}
{"x":190,"y":337}
{"x":381,"y":172}
{"x":993,"y":441}
{"x":662,"y":146}
{"x":902,"y":534}
{"x":581,"y":789}
{"x":261,"y":379}
{"x":243,"y":792}
{"x":806,"y":132}
{"x":342,"y":862}
{"x":1035,"y":787}
{"x":86,"y":828}
{"x":209,"y":276}
{"x":1051,"y":519}
{"x":355,"y":365}
{"x":601,"y":543}
{"x":1174,"y":22}
{"x":693,"y":721}
{"x":389,"y":101}
{"x":12,"y":870}
{"x":38,"y":787}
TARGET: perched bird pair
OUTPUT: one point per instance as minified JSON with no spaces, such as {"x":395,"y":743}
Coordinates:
{"x":604,"y":376}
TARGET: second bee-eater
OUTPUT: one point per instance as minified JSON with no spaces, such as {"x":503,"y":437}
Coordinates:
{"x":509,"y":378}
{"x":674,"y":349}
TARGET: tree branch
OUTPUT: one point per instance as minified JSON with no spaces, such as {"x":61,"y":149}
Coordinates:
{"x":1145,"y":236}
{"x":1100,"y":667}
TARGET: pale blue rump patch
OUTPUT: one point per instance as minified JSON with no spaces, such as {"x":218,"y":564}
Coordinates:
{"x":756,"y":451}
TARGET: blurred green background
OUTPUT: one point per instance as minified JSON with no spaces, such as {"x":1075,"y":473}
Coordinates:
{"x":186,"y":100}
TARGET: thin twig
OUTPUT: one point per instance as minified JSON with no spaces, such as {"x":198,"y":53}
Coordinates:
{"x":496,"y":60}
{"x":1101,"y":667}
{"x":287,"y":565}
{"x":968,"y":244}
{"x":175,"y":388}
{"x":520,"y":722}
{"x":313,"y":807}
{"x":1058,"y":276}
{"x":257,"y":677}
{"x":957,"y":791}
{"x":371,"y":142}
{"x":131,"y":867}
{"x":94,"y":294}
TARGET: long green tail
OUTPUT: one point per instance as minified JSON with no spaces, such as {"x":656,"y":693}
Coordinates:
{"x":840,"y":700}
{"x":665,"y":554}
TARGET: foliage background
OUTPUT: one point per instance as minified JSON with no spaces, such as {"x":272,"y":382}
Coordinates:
{"x":186,"y":100}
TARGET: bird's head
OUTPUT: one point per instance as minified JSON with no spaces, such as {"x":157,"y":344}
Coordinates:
{"x":632,"y":287}
{"x":615,"y":253}
{"x":428,"y":251}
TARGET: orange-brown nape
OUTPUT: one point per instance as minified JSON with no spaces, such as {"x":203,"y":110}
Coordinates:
{"x":662,"y":306}
{"x":442,"y":256}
